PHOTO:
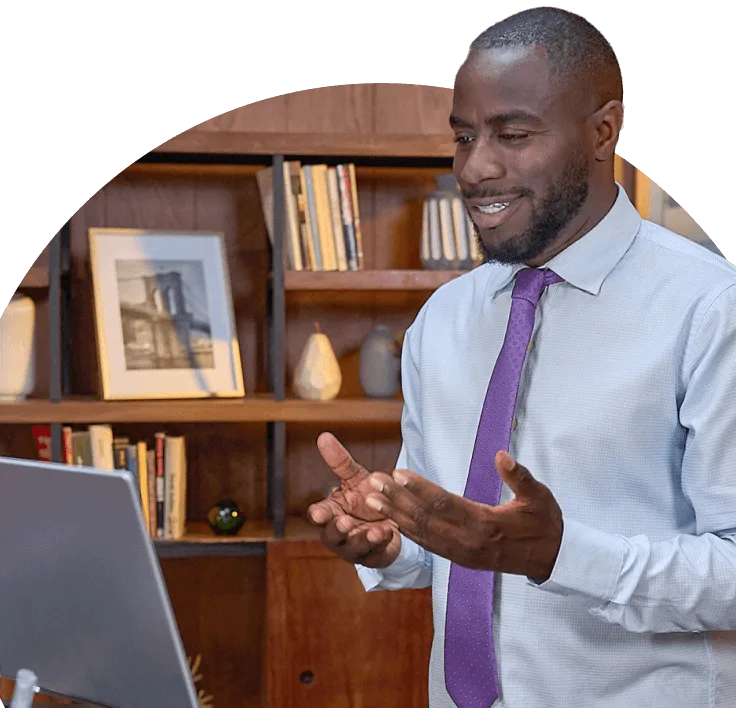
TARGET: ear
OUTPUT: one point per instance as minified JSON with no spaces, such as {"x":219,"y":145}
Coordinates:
{"x":606,"y":124}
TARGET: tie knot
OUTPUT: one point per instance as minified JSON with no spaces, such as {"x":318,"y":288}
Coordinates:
{"x":530,"y":282}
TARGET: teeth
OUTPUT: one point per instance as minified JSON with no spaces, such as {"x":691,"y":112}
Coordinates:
{"x":493,"y":208}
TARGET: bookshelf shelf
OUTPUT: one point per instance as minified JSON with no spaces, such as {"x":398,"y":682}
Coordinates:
{"x":369,"y":279}
{"x":253,"y":409}
{"x":207,"y":142}
{"x":252,"y":539}
{"x":36,"y":277}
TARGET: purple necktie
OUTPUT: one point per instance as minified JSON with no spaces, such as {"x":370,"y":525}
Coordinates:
{"x":470,"y":661}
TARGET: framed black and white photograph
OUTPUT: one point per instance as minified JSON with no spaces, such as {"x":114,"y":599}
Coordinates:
{"x":164,"y":315}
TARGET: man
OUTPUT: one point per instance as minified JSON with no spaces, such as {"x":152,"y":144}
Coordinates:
{"x":590,"y":366}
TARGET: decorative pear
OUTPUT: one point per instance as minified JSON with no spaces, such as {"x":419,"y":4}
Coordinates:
{"x":317,"y":376}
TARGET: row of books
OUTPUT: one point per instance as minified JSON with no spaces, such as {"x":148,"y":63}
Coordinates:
{"x":160,"y":470}
{"x":448,"y":237}
{"x":322,"y":218}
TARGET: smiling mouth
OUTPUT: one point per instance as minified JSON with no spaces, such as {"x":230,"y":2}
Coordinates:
{"x":492,"y":208}
{"x":496,"y":206}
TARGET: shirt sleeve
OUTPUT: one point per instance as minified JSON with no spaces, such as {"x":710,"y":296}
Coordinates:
{"x":413,"y":567}
{"x":688,"y":582}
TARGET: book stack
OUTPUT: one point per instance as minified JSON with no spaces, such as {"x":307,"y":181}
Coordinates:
{"x":160,"y":469}
{"x":321,"y":219}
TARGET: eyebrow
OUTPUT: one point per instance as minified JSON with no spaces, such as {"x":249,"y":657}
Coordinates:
{"x":514,"y":116}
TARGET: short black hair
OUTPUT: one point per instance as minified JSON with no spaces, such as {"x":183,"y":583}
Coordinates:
{"x":575,"y":49}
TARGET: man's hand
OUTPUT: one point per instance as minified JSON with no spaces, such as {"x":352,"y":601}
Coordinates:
{"x":349,"y":527}
{"x":521,"y":537}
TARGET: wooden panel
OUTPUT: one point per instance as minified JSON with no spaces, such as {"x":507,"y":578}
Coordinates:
{"x":265,"y":116}
{"x":219,"y":604}
{"x":38,"y":274}
{"x":231,"y":205}
{"x":423,"y":110}
{"x":309,"y":479}
{"x":332,"y":645}
{"x":331,"y":109}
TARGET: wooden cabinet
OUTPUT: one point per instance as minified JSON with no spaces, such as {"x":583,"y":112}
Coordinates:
{"x":332,"y":645}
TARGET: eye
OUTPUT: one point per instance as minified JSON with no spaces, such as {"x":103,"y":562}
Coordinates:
{"x":462,"y":139}
{"x":513,"y":137}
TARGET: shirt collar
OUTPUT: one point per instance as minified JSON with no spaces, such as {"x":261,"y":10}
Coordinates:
{"x":587,"y":262}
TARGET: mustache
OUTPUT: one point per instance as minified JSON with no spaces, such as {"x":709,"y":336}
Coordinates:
{"x":480,"y":193}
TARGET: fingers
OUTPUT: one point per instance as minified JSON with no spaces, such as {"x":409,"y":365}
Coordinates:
{"x":517,"y":477}
{"x":321,"y":512}
{"x":352,"y":539}
{"x":340,"y":461}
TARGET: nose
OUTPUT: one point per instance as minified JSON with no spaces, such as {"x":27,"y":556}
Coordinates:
{"x":477,"y":163}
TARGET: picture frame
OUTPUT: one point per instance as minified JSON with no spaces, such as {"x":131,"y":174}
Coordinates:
{"x":164,"y":317}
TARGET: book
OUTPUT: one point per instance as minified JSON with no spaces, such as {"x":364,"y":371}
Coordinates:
{"x":356,"y":214}
{"x":152,"y":503}
{"x":160,"y":484}
{"x":101,"y":441}
{"x":346,"y":211}
{"x":333,"y":194}
{"x":324,"y":217}
{"x":311,"y":213}
{"x":142,"y":459}
{"x":175,"y":474}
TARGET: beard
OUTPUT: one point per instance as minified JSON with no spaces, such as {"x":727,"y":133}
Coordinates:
{"x":558,"y":208}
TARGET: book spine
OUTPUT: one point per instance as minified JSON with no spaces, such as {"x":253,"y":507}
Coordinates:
{"x":346,"y":211}
{"x":312,"y":216}
{"x":337,"y":230}
{"x":353,"y":183}
{"x":42,"y":437}
{"x":66,"y":441}
{"x":152,"y":504}
{"x":160,"y":484}
{"x":292,"y":236}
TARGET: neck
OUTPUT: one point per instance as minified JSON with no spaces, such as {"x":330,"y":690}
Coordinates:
{"x":596,"y":206}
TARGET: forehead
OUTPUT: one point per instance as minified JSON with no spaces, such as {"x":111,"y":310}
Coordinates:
{"x":503,"y":80}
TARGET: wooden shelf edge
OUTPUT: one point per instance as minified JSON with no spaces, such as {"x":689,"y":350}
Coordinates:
{"x":252,"y":539}
{"x":247,"y":410}
{"x":369,"y":279}
{"x":210,"y":142}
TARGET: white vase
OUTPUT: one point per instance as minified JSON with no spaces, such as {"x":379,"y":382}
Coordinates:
{"x":18,"y":349}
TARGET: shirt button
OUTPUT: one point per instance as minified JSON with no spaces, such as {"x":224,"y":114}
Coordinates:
{"x":513,"y":424}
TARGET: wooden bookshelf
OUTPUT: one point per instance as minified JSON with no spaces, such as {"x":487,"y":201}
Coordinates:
{"x":264,"y":609}
{"x":369,"y":280}
{"x":253,"y":409}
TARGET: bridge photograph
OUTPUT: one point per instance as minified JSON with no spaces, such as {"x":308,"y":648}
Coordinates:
{"x":164,"y":314}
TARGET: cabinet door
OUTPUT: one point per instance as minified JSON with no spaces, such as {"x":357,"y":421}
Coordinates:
{"x":332,"y":645}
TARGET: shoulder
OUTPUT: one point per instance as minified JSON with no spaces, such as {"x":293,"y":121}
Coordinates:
{"x":691,"y":264}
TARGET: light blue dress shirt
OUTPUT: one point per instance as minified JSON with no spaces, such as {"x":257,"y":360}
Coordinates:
{"x":627,"y":412}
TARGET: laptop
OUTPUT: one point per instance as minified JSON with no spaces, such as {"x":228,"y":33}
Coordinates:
{"x":83,"y":602}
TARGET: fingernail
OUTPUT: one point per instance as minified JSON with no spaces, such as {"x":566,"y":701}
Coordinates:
{"x":374,"y":503}
{"x":343,"y":525}
{"x":376,"y":483}
{"x":400,"y":478}
{"x":374,"y":537}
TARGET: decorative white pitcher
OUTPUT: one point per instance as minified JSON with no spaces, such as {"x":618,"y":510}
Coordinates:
{"x":18,"y":349}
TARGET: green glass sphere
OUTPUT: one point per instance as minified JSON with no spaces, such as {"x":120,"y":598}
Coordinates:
{"x":225,"y":517}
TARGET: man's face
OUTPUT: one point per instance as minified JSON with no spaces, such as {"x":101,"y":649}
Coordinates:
{"x":521,"y":157}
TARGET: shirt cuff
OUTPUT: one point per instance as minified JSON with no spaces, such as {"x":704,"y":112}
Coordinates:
{"x":589,"y":563}
{"x":411,"y":569}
